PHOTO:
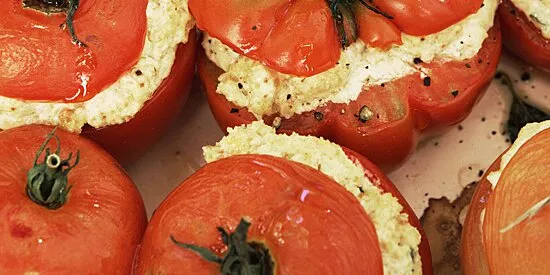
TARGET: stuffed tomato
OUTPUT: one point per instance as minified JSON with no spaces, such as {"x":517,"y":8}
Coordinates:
{"x":117,"y":72}
{"x":371,"y":78}
{"x":507,"y":229}
{"x":67,"y":206}
{"x":310,"y":205}
{"x":526,"y":30}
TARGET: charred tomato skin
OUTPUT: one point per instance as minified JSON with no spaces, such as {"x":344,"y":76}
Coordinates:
{"x":409,"y":110}
{"x":97,"y":230}
{"x":522,"y":37}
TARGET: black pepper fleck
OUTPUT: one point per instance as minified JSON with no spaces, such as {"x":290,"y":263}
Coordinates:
{"x":383,"y":85}
{"x":493,"y":133}
{"x":454,"y":93}
{"x":417,"y":60}
{"x":254,"y":27}
{"x":318,"y":116}
{"x":460,"y":127}
{"x":480,"y":173}
{"x":427,"y":81}
{"x":525,"y":76}
{"x":139,"y":72}
{"x":240,"y":85}
{"x":288,"y":96}
{"x":468,"y":65}
{"x":234,"y":110}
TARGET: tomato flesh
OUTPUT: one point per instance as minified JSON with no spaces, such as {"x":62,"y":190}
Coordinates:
{"x":39,"y":61}
{"x":96,"y":231}
{"x":522,"y":184}
{"x":309,"y":223}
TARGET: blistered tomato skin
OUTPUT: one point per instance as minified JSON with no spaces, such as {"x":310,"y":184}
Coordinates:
{"x":40,"y":61}
{"x":494,"y":241}
{"x":403,"y":110}
{"x":309,"y":223}
{"x":522,"y":37}
{"x":96,"y":231}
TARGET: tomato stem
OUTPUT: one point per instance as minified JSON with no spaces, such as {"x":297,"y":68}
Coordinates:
{"x":344,"y":19}
{"x":68,"y":7}
{"x":241,"y":258}
{"x":47,"y":183}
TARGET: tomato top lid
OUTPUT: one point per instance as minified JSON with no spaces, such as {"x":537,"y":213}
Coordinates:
{"x":305,"y":37}
{"x":68,"y":50}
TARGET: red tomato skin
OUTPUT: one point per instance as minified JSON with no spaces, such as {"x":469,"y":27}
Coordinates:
{"x":44,"y":65}
{"x":96,"y":232}
{"x":129,"y":140}
{"x":424,"y":17}
{"x":523,"y":38}
{"x":193,"y":210}
{"x":407,"y":109}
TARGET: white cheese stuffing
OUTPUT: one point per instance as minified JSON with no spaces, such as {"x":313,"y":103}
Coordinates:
{"x":398,"y":239}
{"x":538,"y":12}
{"x":264,"y":91}
{"x":168,"y":25}
{"x":525,"y":134}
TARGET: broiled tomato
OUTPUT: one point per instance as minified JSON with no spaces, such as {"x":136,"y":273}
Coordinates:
{"x":299,"y":221}
{"x":67,"y":206}
{"x":98,"y":42}
{"x":385,"y":122}
{"x":507,"y":229}
{"x":302,"y":37}
{"x":522,"y":37}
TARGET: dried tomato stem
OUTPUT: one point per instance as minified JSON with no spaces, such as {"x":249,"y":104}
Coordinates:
{"x":47,"y":183}
{"x":241,"y":258}
{"x":68,"y":7}
{"x":344,"y":19}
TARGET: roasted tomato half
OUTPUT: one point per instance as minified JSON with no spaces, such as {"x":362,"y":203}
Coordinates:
{"x":67,"y":206}
{"x":373,"y":76}
{"x":522,"y":37}
{"x":117,"y":73}
{"x":507,"y":229}
{"x":286,"y":217}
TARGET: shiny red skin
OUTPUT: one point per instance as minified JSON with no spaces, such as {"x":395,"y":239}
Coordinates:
{"x":129,"y":140}
{"x":151,"y":252}
{"x":96,"y":231}
{"x":408,"y":109}
{"x":522,"y":37}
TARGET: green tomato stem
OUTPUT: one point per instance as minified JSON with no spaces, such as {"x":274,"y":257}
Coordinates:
{"x":47,"y":183}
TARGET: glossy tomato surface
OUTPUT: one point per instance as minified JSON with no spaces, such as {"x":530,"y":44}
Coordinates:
{"x":96,"y":231}
{"x":404,"y":108}
{"x":489,"y":244}
{"x":129,"y":140}
{"x":309,"y":223}
{"x":522,"y":37}
{"x":301,"y":37}
{"x":41,"y":62}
